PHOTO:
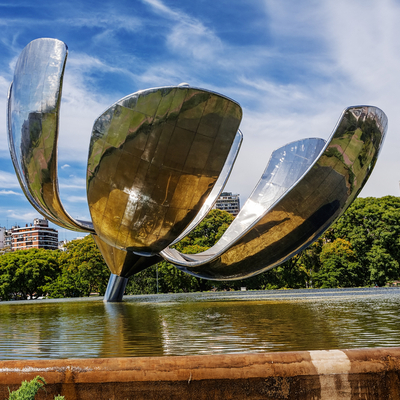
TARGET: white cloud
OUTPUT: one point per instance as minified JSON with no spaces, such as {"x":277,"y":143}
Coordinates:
{"x":163,"y":9}
{"x":23,"y":216}
{"x":354,"y":61}
{"x":295,"y":20}
{"x":77,"y":199}
{"x":108,"y":21}
{"x":188,"y":35}
{"x":166,"y":74}
{"x":8,"y":192}
{"x":105,"y":20}
{"x":364,"y":44}
{"x":367,"y":49}
{"x":194,"y":39}
{"x":8,"y":180}
{"x":80,"y":63}
{"x":73,"y":183}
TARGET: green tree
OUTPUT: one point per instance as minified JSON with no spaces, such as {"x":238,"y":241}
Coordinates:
{"x":291,"y":274}
{"x":144,"y":282}
{"x":383,"y":267}
{"x":24,"y":273}
{"x":372,"y":226}
{"x":83,"y":270}
{"x":309,"y":261}
{"x":204,"y":236}
{"x":170,"y":278}
{"x":362,"y":248}
{"x":339,"y":266}
{"x":207,"y":233}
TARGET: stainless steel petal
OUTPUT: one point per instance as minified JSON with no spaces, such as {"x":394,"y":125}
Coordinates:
{"x":122,"y":262}
{"x":291,"y":207}
{"x":154,"y":158}
{"x":33,"y":113}
{"x":217,"y":189}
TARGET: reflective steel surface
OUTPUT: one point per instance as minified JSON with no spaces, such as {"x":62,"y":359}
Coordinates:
{"x":179,"y":143}
{"x":122,"y":262}
{"x":33,"y":114}
{"x":217,"y":189}
{"x":154,"y":159}
{"x":158,"y":160}
{"x":115,"y":288}
{"x":304,"y":189}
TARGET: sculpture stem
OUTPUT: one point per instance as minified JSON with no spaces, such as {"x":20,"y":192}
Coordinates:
{"x":115,"y":288}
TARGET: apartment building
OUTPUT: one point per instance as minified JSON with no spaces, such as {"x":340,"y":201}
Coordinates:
{"x":5,"y":240}
{"x":34,"y":236}
{"x":8,"y":239}
{"x":228,"y":202}
{"x":2,"y":238}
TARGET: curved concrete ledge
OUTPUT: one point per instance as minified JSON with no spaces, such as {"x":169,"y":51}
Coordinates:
{"x":330,"y":374}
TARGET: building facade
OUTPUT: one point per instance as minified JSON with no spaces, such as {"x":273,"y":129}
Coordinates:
{"x":228,"y":202}
{"x":2,"y":238}
{"x":8,"y":240}
{"x":35,"y":236}
{"x":5,"y":240}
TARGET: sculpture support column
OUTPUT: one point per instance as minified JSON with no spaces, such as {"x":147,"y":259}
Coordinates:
{"x":115,"y":288}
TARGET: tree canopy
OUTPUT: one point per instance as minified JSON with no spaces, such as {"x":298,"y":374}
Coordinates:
{"x":23,"y":273}
{"x":361,"y":249}
{"x":82,"y":270}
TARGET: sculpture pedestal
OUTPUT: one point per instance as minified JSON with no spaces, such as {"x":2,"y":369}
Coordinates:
{"x":115,"y":288}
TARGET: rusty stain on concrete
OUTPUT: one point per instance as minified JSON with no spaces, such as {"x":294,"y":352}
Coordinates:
{"x":334,"y":374}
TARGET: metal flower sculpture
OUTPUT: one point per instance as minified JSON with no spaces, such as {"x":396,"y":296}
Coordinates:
{"x":158,"y":160}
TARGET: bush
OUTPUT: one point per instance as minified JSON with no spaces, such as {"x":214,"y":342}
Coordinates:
{"x":28,"y":390}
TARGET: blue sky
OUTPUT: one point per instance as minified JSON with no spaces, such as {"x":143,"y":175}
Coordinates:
{"x":293,"y":66}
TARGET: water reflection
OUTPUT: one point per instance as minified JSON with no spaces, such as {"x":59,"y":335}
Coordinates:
{"x":211,"y":323}
{"x":131,"y":330}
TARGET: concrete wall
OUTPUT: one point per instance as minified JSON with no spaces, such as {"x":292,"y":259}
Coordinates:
{"x":333,"y":374}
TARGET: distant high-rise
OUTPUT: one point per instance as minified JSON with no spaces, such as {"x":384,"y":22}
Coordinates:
{"x":228,"y":202}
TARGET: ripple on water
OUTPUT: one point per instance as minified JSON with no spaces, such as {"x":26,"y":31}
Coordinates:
{"x":210,"y":323}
